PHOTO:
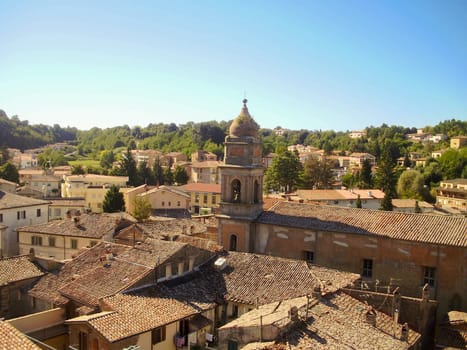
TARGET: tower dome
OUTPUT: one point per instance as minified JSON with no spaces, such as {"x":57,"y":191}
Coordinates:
{"x":244,"y":125}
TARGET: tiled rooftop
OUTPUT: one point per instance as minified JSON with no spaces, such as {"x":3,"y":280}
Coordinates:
{"x":13,"y":339}
{"x":84,"y":278}
{"x":339,"y":323}
{"x":11,"y":200}
{"x":251,"y":278}
{"x":201,"y":187}
{"x":447,"y":230}
{"x":17,"y":268}
{"x":134,"y":314}
{"x":90,"y":225}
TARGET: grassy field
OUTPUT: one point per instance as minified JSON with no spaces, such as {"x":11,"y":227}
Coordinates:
{"x":86,"y":163}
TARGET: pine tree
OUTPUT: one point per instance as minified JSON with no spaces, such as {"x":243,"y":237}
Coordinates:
{"x":358,"y":202}
{"x":128,"y":167}
{"x":158,"y":172}
{"x":142,"y":209}
{"x":113,"y":200}
{"x":417,"y":208}
{"x":180,"y":175}
{"x":386,"y":203}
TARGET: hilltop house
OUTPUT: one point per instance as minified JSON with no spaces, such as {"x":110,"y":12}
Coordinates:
{"x":452,"y":194}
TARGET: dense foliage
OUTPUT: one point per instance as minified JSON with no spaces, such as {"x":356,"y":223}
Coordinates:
{"x":15,"y":133}
{"x":99,"y":150}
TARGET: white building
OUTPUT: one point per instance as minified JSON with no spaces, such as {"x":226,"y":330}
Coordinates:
{"x":17,"y":211}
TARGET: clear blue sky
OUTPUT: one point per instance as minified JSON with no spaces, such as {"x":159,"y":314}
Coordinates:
{"x":340,"y":65}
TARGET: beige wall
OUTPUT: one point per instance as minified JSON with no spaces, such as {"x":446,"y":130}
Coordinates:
{"x":164,"y":199}
{"x":402,"y":261}
{"x":204,"y":200}
{"x":63,"y":245}
{"x":39,"y":320}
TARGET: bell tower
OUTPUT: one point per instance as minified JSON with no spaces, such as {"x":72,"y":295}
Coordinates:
{"x":241,"y":183}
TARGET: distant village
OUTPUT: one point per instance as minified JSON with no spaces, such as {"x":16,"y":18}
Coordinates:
{"x":220,"y":263}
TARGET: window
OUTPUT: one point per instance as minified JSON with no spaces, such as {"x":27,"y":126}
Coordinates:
{"x":36,"y":240}
{"x":174,"y":269}
{"x":92,"y":243}
{"x":233,"y":243}
{"x":158,"y":335}
{"x":21,"y":214}
{"x":1,"y":217}
{"x":367,"y":268}
{"x":74,"y":244}
{"x":197,"y":198}
{"x":309,"y":256}
{"x":429,"y":276}
{"x":205,"y":199}
{"x":83,"y":341}
{"x":213,"y":199}
{"x":235,"y":311}
{"x":52,"y":241}
{"x":169,"y":204}
{"x":57,"y":212}
{"x":178,"y":203}
{"x":232,"y":345}
{"x":38,"y":213}
{"x":163,"y":203}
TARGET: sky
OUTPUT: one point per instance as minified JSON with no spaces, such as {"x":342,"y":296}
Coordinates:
{"x":315,"y":65}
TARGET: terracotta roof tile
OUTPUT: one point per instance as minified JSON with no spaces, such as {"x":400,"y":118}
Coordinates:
{"x":338,"y":322}
{"x":13,"y":339}
{"x":201,"y":187}
{"x":84,"y":278}
{"x":447,"y":230}
{"x":252,"y":278}
{"x":17,"y":268}
{"x":134,"y":314}
{"x":11,"y":200}
{"x":90,"y":225}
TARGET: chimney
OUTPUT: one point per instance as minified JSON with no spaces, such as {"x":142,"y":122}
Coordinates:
{"x":316,"y":293}
{"x":32,"y":254}
{"x":76,"y":221}
{"x":370,"y":317}
{"x":405,"y":332}
{"x":426,"y":292}
{"x":68,"y":214}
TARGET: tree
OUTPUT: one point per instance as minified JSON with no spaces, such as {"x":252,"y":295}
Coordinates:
{"x":9,"y":172}
{"x":107,"y":159}
{"x":386,"y":177}
{"x":145,"y":175}
{"x":180,"y":175}
{"x":77,"y":170}
{"x":168,"y":176}
{"x":113,"y":200}
{"x":284,"y":172}
{"x":417,"y":208}
{"x":128,"y":168}
{"x":358,"y":202}
{"x":142,"y":208}
{"x":158,"y":172}
{"x":366,"y":176}
{"x":411,"y":185}
{"x":386,"y":203}
{"x":317,"y":173}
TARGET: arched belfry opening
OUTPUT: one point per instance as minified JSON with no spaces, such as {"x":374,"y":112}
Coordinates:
{"x":236,"y":191}
{"x":256,"y":192}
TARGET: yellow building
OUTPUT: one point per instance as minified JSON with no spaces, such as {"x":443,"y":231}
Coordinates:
{"x":63,"y":239}
{"x":205,"y":198}
{"x":452,"y":194}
